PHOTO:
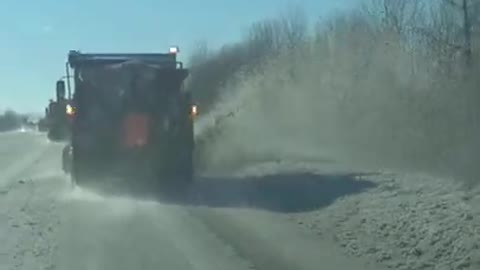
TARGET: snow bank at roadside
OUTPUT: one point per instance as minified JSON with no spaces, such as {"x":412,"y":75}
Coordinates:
{"x":406,"y":222}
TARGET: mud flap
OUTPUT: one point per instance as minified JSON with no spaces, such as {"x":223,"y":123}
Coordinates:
{"x":67,"y":159}
{"x":67,"y":163}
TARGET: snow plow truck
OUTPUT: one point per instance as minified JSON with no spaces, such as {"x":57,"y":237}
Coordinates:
{"x":132,"y":119}
{"x":57,"y":117}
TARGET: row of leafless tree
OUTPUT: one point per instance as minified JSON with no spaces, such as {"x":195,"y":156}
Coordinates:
{"x":447,"y":31}
{"x":396,"y":80}
{"x":446,"y":28}
{"x":10,"y":120}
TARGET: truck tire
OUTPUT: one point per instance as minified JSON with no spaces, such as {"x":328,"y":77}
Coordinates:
{"x":80,"y":173}
{"x":184,"y":174}
{"x":79,"y":177}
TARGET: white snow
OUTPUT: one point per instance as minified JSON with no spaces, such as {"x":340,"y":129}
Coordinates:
{"x":406,"y":222}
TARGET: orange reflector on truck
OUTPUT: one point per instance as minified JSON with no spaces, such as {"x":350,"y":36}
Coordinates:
{"x":136,"y":130}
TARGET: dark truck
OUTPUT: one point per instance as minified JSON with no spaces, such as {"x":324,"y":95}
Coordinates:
{"x":58,"y":119}
{"x":132,"y":119}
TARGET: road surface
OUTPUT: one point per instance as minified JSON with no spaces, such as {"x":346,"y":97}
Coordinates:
{"x":222,"y":224}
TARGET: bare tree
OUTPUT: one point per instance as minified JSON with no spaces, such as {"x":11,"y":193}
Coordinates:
{"x":470,"y":13}
{"x":264,"y":38}
{"x":271,"y":36}
{"x":395,"y":16}
{"x":294,"y":27}
{"x":199,"y":53}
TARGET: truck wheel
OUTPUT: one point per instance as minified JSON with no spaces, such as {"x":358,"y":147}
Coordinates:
{"x":79,"y":174}
{"x":184,"y":171}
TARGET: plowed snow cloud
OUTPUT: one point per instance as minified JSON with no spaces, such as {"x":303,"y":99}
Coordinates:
{"x":355,"y":92}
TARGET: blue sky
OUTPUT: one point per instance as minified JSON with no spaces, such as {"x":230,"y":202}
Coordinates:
{"x":37,"y":35}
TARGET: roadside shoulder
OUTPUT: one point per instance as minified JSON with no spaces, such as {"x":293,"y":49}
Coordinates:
{"x":408,"y":221}
{"x":271,"y":242}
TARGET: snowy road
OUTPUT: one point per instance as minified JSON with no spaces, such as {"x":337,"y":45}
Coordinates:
{"x":225,"y":223}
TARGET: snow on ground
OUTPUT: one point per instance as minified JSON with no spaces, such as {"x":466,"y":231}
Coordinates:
{"x":405,"y":222}
{"x":29,"y":214}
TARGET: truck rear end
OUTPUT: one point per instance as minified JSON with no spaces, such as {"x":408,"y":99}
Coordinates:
{"x":132,"y":119}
